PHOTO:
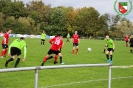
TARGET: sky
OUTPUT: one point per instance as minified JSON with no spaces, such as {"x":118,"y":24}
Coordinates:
{"x":102,"y":6}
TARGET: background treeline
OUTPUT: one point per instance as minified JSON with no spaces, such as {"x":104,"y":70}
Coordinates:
{"x":35,"y":16}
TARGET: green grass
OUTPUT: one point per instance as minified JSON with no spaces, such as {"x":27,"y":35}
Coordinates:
{"x":89,"y":77}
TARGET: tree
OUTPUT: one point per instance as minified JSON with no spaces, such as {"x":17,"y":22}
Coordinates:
{"x":57,"y":21}
{"x":15,"y":8}
{"x":88,"y":20}
{"x":125,"y":27}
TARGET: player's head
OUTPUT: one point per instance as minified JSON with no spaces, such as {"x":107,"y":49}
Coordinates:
{"x":58,"y":34}
{"x":21,"y":38}
{"x":8,"y":30}
{"x":107,"y":36}
{"x":132,"y":35}
{"x":43,"y":31}
{"x":76,"y":32}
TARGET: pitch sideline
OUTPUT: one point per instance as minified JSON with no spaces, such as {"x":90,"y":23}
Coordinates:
{"x":97,"y":80}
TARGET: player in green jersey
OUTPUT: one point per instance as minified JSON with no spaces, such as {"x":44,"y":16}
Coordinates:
{"x":43,"y":36}
{"x":110,"y":49}
{"x":15,"y":49}
{"x":68,"y":37}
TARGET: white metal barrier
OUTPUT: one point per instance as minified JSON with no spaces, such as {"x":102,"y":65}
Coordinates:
{"x":56,"y":67}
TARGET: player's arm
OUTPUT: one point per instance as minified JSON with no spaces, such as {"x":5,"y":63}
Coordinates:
{"x":9,"y":50}
{"x":61,"y":45}
{"x":113,"y":45}
{"x":78,"y":40}
{"x":4,"y":39}
{"x":25,"y":51}
{"x":51,"y":40}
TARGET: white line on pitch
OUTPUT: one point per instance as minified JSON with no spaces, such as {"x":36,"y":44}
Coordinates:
{"x":131,"y":66}
{"x":85,"y":82}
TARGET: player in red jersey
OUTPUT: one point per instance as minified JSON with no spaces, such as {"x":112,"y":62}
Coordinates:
{"x":127,"y":40}
{"x":56,"y":42}
{"x":5,"y":41}
{"x":76,"y":41}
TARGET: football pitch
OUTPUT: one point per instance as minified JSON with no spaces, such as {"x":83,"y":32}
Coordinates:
{"x":85,"y":77}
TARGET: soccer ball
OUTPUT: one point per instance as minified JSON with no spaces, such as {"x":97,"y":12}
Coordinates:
{"x":89,"y":49}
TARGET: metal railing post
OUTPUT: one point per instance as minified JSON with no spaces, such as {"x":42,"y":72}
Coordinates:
{"x":109,"y":77}
{"x":36,"y":77}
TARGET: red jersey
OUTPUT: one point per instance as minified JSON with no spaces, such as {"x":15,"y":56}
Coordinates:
{"x":126,"y":38}
{"x":56,"y":43}
{"x":75,"y":38}
{"x":5,"y":38}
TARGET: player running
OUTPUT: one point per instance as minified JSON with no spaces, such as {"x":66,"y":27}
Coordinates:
{"x":5,"y":41}
{"x":127,"y":40}
{"x":56,"y":42}
{"x":110,"y":49}
{"x":43,"y":36}
{"x":15,"y":49}
{"x":75,"y":39}
{"x":131,"y":43}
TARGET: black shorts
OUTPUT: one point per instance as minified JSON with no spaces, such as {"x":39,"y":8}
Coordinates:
{"x":75,"y":44}
{"x":4,"y":46}
{"x":131,"y":45}
{"x":53,"y":52}
{"x":42,"y":39}
{"x":15,"y":51}
{"x":110,"y":49}
{"x":126,"y":41}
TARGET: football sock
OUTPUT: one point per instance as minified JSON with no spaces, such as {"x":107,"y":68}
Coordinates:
{"x":77,"y":50}
{"x":131,"y":51}
{"x":107,"y":56}
{"x":11,"y":59}
{"x":2,"y":52}
{"x":42,"y":64}
{"x":111,"y":57}
{"x":5,"y":52}
{"x":45,"y":58}
{"x":60,"y":59}
{"x":104,"y":51}
{"x":17,"y":62}
{"x":43,"y":43}
{"x":55,"y":58}
{"x":72,"y":51}
{"x":126,"y":44}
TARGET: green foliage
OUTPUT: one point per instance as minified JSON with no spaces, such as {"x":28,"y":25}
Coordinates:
{"x":35,"y":16}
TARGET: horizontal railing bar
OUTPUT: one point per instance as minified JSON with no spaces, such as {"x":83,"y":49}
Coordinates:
{"x":53,"y":67}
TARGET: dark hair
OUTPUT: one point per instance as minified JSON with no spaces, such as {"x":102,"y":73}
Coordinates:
{"x":8,"y":29}
{"x":58,"y":34}
{"x":22,"y":38}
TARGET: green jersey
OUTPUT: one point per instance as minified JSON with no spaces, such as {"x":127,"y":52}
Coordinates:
{"x":43,"y":36}
{"x":68,"y":35}
{"x":109,"y":43}
{"x":18,"y":43}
